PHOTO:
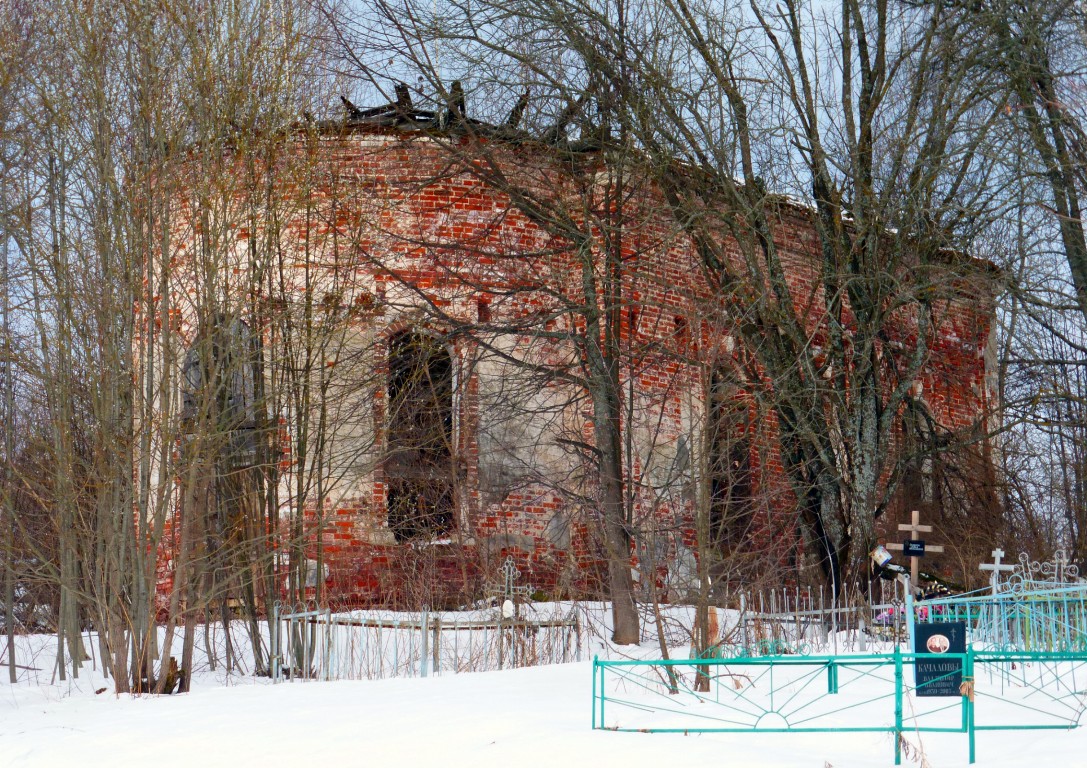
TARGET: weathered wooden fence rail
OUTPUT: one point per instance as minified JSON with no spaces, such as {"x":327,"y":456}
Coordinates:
{"x":314,"y":643}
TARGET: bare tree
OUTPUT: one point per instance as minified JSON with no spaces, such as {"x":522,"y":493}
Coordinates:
{"x":14,"y":48}
{"x":112,"y":120}
{"x":1034,"y":53}
{"x":886,"y":153}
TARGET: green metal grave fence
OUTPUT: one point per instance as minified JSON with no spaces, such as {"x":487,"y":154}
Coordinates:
{"x":1038,"y":619}
{"x":872,"y":693}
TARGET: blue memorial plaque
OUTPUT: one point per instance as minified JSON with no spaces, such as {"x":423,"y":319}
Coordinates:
{"x":935,"y":673}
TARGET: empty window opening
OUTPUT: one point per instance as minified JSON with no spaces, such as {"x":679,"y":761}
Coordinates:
{"x":731,"y":480}
{"x":419,"y":467}
{"x":920,"y":487}
{"x":221,"y":422}
{"x":219,"y":390}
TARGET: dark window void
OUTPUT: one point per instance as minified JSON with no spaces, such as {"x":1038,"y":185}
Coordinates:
{"x":731,"y":503}
{"x":419,"y":466}
{"x":920,"y":485}
{"x":219,"y":390}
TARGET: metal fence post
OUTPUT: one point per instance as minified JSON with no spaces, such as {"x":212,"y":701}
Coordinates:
{"x":968,"y":701}
{"x":603,"y":695}
{"x":910,"y":619}
{"x":326,"y":650}
{"x":437,"y":644}
{"x":291,"y":645}
{"x":596,"y":665}
{"x":834,"y":615}
{"x":273,"y":641}
{"x":898,"y":705}
{"x":425,"y":640}
{"x":396,"y":648}
{"x":743,"y":623}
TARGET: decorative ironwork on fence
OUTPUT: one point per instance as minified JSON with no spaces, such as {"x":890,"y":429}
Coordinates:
{"x":1036,"y":620}
{"x":840,"y":694}
{"x":310,"y":643}
{"x":1042,"y":606}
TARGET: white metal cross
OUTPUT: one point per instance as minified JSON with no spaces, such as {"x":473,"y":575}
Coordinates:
{"x":510,"y":574}
{"x":996,"y":567}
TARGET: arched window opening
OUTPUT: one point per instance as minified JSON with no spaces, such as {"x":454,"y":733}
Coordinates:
{"x":419,"y":467}
{"x":921,"y":447}
{"x":219,"y":389}
{"x":731,"y":479}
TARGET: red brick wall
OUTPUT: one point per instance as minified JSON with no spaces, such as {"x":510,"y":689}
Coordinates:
{"x":405,"y":216}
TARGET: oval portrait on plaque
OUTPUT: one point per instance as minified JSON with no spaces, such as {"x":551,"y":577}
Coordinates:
{"x":938,"y":644}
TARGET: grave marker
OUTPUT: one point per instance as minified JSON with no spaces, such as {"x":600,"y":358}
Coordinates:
{"x":935,"y":673}
{"x":997,"y":568}
{"x":915,"y":547}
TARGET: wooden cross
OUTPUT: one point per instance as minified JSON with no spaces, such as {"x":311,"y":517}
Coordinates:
{"x":996,"y":568}
{"x":914,"y":528}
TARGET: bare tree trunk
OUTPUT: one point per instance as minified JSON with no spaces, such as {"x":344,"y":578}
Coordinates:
{"x":8,"y":523}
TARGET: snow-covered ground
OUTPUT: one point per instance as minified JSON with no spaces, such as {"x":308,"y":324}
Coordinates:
{"x":526,"y":717}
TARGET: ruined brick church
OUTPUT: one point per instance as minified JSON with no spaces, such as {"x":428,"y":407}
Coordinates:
{"x":456,"y":431}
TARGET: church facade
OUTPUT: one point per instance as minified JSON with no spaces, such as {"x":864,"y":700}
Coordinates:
{"x":417,"y":318}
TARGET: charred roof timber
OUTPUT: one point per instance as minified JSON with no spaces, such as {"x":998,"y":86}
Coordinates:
{"x":456,"y":109}
{"x":557,"y":133}
{"x":453,"y":117}
{"x":518,"y":111}
{"x":403,"y":113}
{"x":403,"y":97}
{"x":393,"y":113}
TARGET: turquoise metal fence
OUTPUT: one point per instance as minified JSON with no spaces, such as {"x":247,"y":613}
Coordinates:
{"x":1050,"y":618}
{"x":836,"y":694}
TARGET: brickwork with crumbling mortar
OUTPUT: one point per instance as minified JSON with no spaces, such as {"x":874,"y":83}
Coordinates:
{"x":418,"y":233}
